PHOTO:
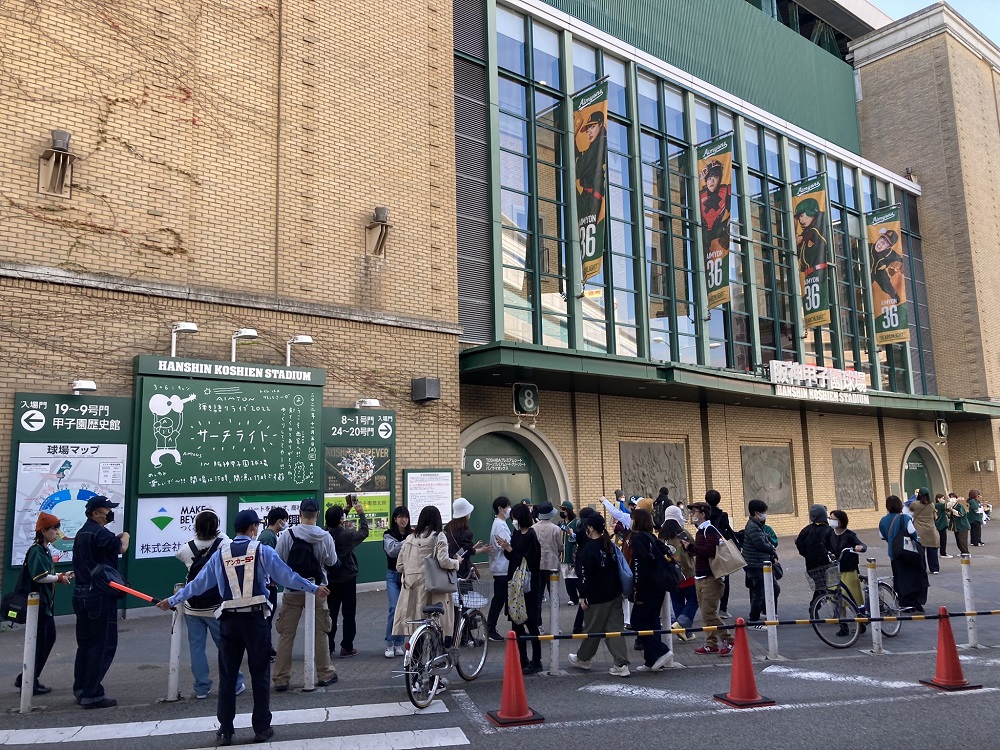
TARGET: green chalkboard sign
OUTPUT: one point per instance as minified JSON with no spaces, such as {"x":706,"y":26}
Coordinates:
{"x":198,"y":436}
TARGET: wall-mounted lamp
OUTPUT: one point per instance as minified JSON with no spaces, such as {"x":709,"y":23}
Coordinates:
{"x":989,"y":464}
{"x":244,"y":334}
{"x":423,"y":390}
{"x":378,"y":231}
{"x":299,"y":340}
{"x":977,"y":466}
{"x":910,"y":174}
{"x":55,"y":167}
{"x":182,"y":327}
{"x":367,"y":403}
{"x":83,"y":386}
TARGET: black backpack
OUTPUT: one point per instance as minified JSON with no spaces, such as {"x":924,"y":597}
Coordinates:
{"x":660,"y":514}
{"x":302,"y":558}
{"x":665,"y":573}
{"x":211,"y":598}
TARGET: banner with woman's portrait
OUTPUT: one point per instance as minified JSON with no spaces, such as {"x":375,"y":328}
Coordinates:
{"x":715,"y":176}
{"x":590,"y":114}
{"x":888,"y":263}
{"x":812,"y":246}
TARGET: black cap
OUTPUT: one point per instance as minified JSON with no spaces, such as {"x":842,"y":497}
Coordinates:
{"x":100,"y":501}
{"x":309,"y":505}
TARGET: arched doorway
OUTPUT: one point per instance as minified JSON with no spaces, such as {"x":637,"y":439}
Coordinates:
{"x":922,"y":467}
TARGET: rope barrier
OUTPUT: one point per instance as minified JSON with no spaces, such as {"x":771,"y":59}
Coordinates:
{"x":754,"y":623}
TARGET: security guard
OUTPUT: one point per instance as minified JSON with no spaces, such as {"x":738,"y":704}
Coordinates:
{"x":241,"y":571}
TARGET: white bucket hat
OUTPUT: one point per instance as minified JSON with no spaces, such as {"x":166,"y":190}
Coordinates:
{"x":461,"y":508}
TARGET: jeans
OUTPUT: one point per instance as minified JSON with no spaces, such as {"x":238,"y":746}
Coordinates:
{"x":244,"y":633}
{"x":498,"y":603}
{"x":197,"y":629}
{"x":343,"y":594}
{"x":392,"y":588}
{"x":96,"y":643}
{"x":685,"y":604}
{"x":646,"y":616}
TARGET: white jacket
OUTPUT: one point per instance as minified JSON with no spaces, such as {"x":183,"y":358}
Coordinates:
{"x":498,"y":562}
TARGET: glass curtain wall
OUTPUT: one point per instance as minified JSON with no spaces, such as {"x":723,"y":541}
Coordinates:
{"x":535,"y":121}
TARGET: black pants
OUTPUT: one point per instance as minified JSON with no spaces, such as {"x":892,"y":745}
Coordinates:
{"x":571,"y":590}
{"x":96,"y":643}
{"x":724,"y":602}
{"x":46,"y":639}
{"x":578,"y":620}
{"x":931,"y":556}
{"x":244,"y":633}
{"x":272,"y":597}
{"x":976,"y":533}
{"x":646,"y":616}
{"x":755,"y":582}
{"x":542,"y":590}
{"x":343,"y":595}
{"x":531,"y":602}
{"x":498,"y":603}
{"x":943,"y":541}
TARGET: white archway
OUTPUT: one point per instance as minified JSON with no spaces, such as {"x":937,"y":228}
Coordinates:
{"x":935,"y":467}
{"x":543,"y":453}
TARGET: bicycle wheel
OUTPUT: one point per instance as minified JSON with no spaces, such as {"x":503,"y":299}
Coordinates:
{"x":421,"y":682}
{"x":472,"y":645}
{"x":834,"y":605}
{"x":888,"y":606}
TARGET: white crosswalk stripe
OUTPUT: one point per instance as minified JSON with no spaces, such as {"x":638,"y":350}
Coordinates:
{"x":298,"y":717}
{"x":418,"y":738}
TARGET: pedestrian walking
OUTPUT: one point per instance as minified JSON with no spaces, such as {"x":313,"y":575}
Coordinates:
{"x":550,"y":538}
{"x":720,"y":520}
{"x":685,"y":599}
{"x":498,"y":566}
{"x":199,"y":611}
{"x":309,"y":551}
{"x":757,"y":550}
{"x":524,"y":547}
{"x":344,"y":580}
{"x":708,"y":588}
{"x":600,"y":589}
{"x":392,"y":543}
{"x":924,"y":516}
{"x":908,"y":572}
{"x":648,"y":557}
{"x":41,"y":572}
{"x":568,"y":524}
{"x":96,"y":610}
{"x":582,"y":539}
{"x":240,"y":571}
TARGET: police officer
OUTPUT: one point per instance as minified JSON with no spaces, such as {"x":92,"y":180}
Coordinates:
{"x":241,"y":571}
{"x":96,"y":611}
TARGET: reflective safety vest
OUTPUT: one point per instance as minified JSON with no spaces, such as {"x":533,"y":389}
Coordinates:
{"x":251,"y":591}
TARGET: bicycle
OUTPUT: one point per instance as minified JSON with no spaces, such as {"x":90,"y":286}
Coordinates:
{"x":426,"y":659}
{"x":836,"y":603}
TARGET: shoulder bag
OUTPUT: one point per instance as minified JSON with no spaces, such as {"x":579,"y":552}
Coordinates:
{"x":728,"y":558}
{"x":14,"y":606}
{"x":437,"y":580}
{"x":517,"y":608}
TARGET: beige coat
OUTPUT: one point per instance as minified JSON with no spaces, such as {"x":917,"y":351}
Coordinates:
{"x":412,"y":597}
{"x":923,"y":522}
{"x":550,"y":538}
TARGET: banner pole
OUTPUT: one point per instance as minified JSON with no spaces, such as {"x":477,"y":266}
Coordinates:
{"x":28,"y":660}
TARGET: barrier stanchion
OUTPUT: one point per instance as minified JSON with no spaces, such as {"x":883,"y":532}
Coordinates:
{"x":874,"y":609}
{"x":970,"y":601}
{"x":554,"y":622}
{"x":666,"y":620}
{"x":28,"y":660}
{"x":309,"y":668}
{"x":174,"y":666}
{"x":770,"y":612}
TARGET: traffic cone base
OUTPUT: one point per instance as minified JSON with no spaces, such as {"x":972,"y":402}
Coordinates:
{"x":948,"y":674}
{"x":514,"y":708}
{"x":743,"y":685}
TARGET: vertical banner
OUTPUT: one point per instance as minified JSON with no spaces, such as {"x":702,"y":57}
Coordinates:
{"x":892,"y":325}
{"x":715,"y":172}
{"x":812,"y":247}
{"x":590,"y":112}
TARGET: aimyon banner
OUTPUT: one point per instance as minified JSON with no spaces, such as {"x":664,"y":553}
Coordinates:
{"x":892,"y":325}
{"x":812,"y":247}
{"x":715,"y":172}
{"x":590,"y":114}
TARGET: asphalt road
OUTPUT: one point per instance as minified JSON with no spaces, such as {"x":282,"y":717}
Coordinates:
{"x":825,"y":697}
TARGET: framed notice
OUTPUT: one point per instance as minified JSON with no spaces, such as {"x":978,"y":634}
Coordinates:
{"x":423,"y":487}
{"x":165,"y":524}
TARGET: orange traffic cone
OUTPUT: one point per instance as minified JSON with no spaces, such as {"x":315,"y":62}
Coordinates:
{"x":742,"y":686}
{"x":948,"y":675}
{"x":514,"y":709}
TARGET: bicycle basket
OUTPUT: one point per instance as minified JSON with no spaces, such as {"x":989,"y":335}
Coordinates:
{"x":475,"y":594}
{"x":827,"y":577}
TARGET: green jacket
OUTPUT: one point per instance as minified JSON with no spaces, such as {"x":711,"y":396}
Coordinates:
{"x":975,"y":510}
{"x":39,"y":562}
{"x":941,"y":520}
{"x":960,"y":518}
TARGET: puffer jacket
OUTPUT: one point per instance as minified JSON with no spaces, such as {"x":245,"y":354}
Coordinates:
{"x":757,"y":548}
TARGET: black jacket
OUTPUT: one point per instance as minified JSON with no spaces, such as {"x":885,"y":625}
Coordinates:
{"x":344,"y":541}
{"x":815,"y":544}
{"x":644,"y":547}
{"x":841,"y":542}
{"x":599,"y":581}
{"x":720,"y":520}
{"x":757,"y":548}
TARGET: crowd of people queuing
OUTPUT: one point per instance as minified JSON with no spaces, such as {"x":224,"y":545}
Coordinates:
{"x":618,"y":564}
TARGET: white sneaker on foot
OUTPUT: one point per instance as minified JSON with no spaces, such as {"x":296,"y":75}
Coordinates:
{"x":398,"y":651}
{"x":579,"y":663}
{"x":389,"y":652}
{"x":660,"y":664}
{"x":621,"y":671}
{"x":725,"y":615}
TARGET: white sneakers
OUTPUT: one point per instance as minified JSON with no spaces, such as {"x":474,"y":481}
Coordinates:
{"x":389,"y":652}
{"x":580,"y":663}
{"x":658,"y":666}
{"x":621,"y":671}
{"x":398,"y":650}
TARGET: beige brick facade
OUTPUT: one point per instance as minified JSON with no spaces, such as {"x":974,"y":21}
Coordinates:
{"x":230,"y":158}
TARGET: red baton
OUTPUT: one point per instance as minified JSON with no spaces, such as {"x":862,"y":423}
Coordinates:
{"x":133,"y":592}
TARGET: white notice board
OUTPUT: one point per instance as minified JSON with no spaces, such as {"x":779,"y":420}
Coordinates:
{"x":423,"y":487}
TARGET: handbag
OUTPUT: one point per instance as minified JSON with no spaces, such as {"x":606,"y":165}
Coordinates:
{"x":517,"y":608}
{"x":776,"y":570}
{"x":727,"y":560}
{"x":14,"y":606}
{"x":437,"y":580}
{"x":901,"y":551}
{"x":102,"y":575}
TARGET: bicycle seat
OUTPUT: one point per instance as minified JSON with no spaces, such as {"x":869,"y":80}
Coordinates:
{"x":433,"y":609}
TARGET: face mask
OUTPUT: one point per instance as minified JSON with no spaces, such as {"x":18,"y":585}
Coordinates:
{"x":762,"y":517}
{"x":834,"y":523}
{"x":282,"y":525}
{"x":562,"y":515}
{"x":516,"y":525}
{"x":110,"y":517}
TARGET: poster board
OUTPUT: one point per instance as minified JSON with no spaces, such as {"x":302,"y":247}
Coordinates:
{"x":424,"y":487}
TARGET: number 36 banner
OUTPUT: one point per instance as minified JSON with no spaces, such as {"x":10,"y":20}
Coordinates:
{"x":590,"y":112}
{"x":715,"y":172}
{"x":812,"y":247}
{"x":888,"y":278}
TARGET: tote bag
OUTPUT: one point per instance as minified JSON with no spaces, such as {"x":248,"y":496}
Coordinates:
{"x":727,"y":559}
{"x":517,"y":609}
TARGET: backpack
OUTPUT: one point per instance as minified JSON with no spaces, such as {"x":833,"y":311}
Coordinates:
{"x":665,"y":574}
{"x":660,"y":514}
{"x":211,"y":598}
{"x":302,"y":558}
{"x":738,"y":537}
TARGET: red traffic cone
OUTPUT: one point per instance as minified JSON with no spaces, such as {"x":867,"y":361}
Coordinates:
{"x":948,"y":675}
{"x":742,"y":686}
{"x":514,"y":709}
